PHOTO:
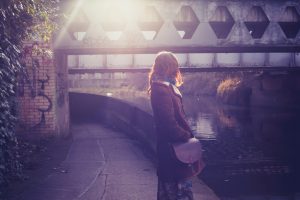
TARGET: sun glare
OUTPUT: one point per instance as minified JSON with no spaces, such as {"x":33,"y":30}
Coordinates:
{"x":117,"y":14}
{"x":126,"y":10}
{"x":112,"y":15}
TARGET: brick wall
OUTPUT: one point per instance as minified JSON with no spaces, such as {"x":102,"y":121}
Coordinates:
{"x":37,"y":96}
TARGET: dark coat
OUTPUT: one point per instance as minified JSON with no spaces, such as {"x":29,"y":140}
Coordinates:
{"x":171,"y":127}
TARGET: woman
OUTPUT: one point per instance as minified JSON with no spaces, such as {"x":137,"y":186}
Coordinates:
{"x":173,"y":176}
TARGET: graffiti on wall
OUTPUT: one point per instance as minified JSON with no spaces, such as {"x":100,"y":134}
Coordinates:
{"x":63,"y":89}
{"x":32,"y":83}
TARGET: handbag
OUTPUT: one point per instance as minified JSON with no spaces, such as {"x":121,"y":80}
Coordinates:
{"x":188,"y":152}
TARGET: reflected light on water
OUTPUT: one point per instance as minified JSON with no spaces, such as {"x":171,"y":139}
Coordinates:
{"x":203,"y":128}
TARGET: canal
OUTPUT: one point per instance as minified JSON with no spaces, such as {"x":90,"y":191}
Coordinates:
{"x":250,"y":151}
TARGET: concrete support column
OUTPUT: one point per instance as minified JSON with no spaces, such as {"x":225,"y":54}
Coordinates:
{"x":133,"y":60}
{"x":188,"y":62}
{"x":241,"y":62}
{"x":293,"y":60}
{"x":62,"y":113}
{"x":267,"y":59}
{"x":105,"y":61}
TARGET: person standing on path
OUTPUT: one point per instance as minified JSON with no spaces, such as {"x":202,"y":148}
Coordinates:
{"x":171,"y":126}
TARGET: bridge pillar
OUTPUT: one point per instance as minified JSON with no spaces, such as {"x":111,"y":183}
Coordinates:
{"x":62,"y":96}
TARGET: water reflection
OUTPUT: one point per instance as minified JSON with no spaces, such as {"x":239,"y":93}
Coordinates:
{"x":270,"y":133}
{"x":249,"y":151}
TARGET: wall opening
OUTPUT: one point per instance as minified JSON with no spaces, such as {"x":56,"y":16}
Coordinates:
{"x":256,"y":22}
{"x":221,"y":22}
{"x":290,"y":22}
{"x":186,"y":22}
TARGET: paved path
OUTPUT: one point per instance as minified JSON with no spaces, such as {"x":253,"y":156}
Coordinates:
{"x":103,"y":165}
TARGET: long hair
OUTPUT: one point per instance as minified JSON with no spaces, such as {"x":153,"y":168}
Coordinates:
{"x":165,"y":67}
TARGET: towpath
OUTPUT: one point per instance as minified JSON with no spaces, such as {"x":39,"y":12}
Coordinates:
{"x":103,"y":164}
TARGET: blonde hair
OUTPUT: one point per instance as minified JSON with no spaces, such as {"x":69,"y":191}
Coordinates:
{"x":165,"y":67}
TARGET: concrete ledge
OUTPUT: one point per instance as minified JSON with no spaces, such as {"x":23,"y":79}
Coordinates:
{"x":115,"y":113}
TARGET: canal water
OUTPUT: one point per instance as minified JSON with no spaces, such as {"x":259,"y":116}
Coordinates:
{"x":250,"y":152}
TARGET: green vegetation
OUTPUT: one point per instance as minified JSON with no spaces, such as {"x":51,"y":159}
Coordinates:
{"x":20,"y":20}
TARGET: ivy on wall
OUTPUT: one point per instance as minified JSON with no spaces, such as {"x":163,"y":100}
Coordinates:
{"x":20,"y":20}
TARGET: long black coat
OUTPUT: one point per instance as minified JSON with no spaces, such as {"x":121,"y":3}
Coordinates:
{"x":171,"y":127}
